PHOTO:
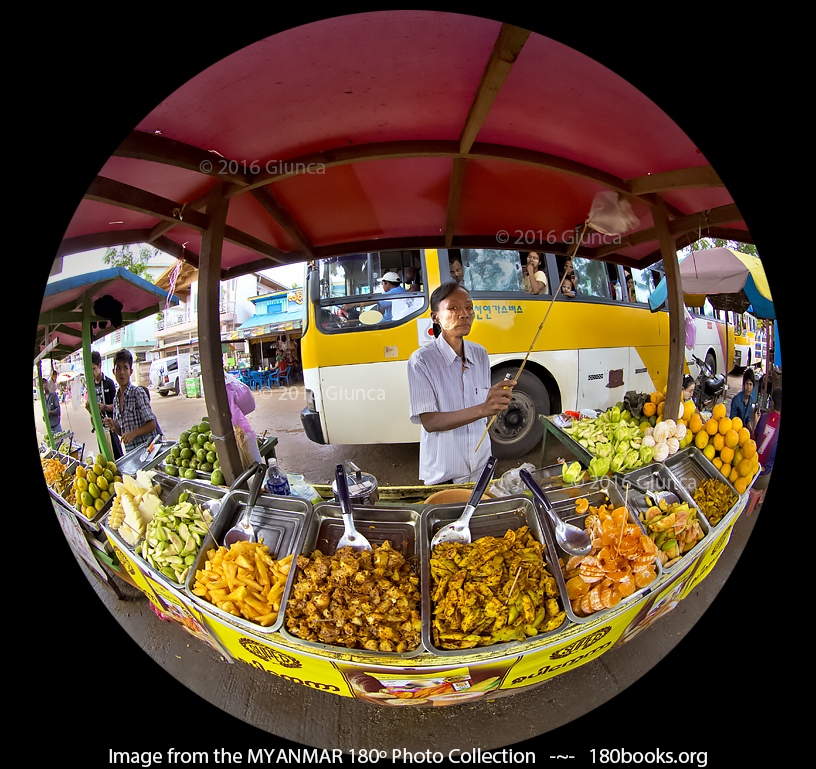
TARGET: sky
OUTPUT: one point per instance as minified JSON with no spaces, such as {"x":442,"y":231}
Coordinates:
{"x":91,"y":261}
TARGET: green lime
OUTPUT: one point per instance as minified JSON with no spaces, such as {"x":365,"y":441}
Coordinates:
{"x":206,"y":467}
{"x":186,"y":453}
{"x":171,"y":470}
{"x":184,"y":437}
{"x":201,"y":455}
{"x":193,"y":430}
{"x":204,"y":427}
{"x":185,"y":463}
{"x":175,"y":451}
{"x":217,"y":478}
{"x":211,"y":457}
{"x":189,"y":475}
{"x":202,"y":439}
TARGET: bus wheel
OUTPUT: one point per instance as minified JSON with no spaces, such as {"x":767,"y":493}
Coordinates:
{"x":516,"y":431}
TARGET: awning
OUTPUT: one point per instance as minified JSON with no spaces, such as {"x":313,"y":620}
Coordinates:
{"x":269,"y":323}
{"x":60,"y":316}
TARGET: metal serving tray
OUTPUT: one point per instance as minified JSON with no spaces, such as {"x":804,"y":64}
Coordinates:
{"x":93,"y":524}
{"x":130,"y":463}
{"x":281,"y":522}
{"x":692,"y":468}
{"x":657,"y":477}
{"x":492,"y":518}
{"x":400,"y":526}
{"x":551,"y":477}
{"x":599,"y":492}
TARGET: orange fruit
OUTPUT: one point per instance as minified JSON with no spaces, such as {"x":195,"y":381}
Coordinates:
{"x":736,"y":424}
{"x":749,"y":449}
{"x":718,"y":412}
{"x":688,"y":409}
{"x":726,"y":455}
{"x":649,"y":409}
{"x":717,"y":462}
{"x":741,"y":484}
{"x":660,"y":408}
{"x":701,"y":439}
{"x":725,"y":469}
{"x":711,"y":426}
{"x":724,"y":425}
{"x":731,"y":438}
{"x":738,"y":457}
{"x":718,"y":441}
{"x":744,"y":467}
{"x":744,"y":435}
{"x":709,"y":451}
{"x":734,"y":474}
{"x":695,"y":423}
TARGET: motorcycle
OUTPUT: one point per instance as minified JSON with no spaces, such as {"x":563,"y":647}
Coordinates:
{"x":709,"y":388}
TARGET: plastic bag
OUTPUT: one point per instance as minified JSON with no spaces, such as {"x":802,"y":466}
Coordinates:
{"x":510,"y":483}
{"x":242,"y":402}
{"x":611,"y":215}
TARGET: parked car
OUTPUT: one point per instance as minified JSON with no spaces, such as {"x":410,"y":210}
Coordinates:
{"x":169,"y":374}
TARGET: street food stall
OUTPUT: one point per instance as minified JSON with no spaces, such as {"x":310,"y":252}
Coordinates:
{"x":402,"y":188}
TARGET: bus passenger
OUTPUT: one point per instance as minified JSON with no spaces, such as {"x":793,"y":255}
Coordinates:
{"x":450,"y":394}
{"x":535,"y":279}
{"x":570,"y":285}
{"x":457,"y":271}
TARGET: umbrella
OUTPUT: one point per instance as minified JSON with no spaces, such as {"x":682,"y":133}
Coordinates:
{"x":730,"y":279}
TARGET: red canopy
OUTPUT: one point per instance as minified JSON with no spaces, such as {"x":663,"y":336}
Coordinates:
{"x":400,"y":129}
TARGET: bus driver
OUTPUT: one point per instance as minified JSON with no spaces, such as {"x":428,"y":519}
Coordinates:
{"x":450,"y":394}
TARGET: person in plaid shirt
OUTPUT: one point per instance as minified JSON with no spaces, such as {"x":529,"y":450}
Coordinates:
{"x":133,"y":420}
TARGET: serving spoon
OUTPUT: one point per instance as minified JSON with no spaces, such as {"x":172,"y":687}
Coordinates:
{"x":571,"y":539}
{"x":350,"y":536}
{"x":458,"y":532}
{"x":243,"y":529}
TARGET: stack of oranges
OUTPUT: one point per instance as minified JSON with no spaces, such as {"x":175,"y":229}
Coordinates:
{"x":728,"y":444}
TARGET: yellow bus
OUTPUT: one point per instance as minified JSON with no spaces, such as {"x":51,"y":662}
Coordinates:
{"x":748,"y":341}
{"x":595,"y":346}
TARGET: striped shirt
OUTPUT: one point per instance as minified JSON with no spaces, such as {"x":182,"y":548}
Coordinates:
{"x":136,"y":412}
{"x":436,"y":382}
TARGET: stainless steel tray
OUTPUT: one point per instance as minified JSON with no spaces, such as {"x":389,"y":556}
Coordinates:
{"x":282,"y":523}
{"x":493,"y":518}
{"x":599,"y":492}
{"x":400,"y":526}
{"x":130,"y":463}
{"x":94,"y":523}
{"x":658,"y":477}
{"x":551,"y":477}
{"x":692,"y":468}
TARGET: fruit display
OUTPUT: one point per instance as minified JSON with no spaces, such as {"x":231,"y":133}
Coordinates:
{"x":494,"y":590}
{"x":93,"y":485}
{"x":727,"y":443}
{"x":173,"y":537}
{"x":622,"y":560}
{"x":132,"y":509}
{"x":54,"y":471}
{"x":714,"y":498}
{"x":674,"y":529}
{"x":615,"y":439}
{"x":195,"y":451}
{"x":244,"y":581}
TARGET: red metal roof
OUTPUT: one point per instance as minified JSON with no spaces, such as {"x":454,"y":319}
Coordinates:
{"x":377,"y":103}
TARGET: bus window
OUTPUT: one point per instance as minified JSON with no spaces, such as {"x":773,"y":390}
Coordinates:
{"x":344,"y":280}
{"x":642,"y":285}
{"x":591,"y":278}
{"x":490,"y":269}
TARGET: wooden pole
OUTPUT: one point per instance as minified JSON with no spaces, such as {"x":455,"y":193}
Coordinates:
{"x":96,"y":419}
{"x":677,"y":326}
{"x":209,"y":335}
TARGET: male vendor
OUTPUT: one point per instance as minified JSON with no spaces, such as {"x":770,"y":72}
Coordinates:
{"x":450,"y":393}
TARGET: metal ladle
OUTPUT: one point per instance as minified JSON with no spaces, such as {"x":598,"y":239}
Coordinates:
{"x":570,"y":538}
{"x":350,"y":536}
{"x":243,"y":529}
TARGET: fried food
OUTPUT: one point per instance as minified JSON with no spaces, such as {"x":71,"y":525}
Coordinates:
{"x":493,"y":590}
{"x":244,"y":581}
{"x":715,"y":499}
{"x":621,"y":561}
{"x":356,"y":599}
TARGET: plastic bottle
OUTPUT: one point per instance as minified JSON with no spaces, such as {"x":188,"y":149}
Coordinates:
{"x":276,"y":481}
{"x":300,"y":488}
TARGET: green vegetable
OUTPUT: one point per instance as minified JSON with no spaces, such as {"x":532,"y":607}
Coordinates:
{"x":571,"y":473}
{"x":599,"y":466}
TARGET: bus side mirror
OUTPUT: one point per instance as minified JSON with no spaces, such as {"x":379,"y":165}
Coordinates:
{"x":314,"y":287}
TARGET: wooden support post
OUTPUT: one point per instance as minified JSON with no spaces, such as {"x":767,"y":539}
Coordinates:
{"x":677,"y":325}
{"x":209,"y":335}
{"x":96,"y":419}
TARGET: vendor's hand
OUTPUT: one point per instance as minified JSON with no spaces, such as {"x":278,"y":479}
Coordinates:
{"x":499,"y":397}
{"x":109,"y":423}
{"x":128,"y":437}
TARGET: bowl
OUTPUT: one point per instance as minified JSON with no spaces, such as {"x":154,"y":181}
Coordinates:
{"x":453,"y":496}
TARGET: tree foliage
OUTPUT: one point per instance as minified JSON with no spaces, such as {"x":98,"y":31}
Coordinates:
{"x":137,"y":263}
